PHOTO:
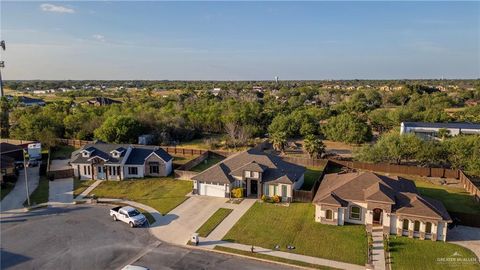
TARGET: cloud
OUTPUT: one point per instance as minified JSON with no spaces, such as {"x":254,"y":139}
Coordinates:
{"x":99,"y":37}
{"x":55,"y":8}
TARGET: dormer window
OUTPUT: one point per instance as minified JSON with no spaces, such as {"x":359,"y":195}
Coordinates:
{"x":117,"y":152}
{"x":85,"y":154}
{"x":247,"y":174}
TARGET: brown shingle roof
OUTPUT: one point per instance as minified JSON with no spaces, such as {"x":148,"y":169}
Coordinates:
{"x":275,"y":170}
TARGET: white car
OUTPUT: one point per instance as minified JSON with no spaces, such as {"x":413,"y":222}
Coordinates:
{"x":134,"y":267}
{"x":129,"y":215}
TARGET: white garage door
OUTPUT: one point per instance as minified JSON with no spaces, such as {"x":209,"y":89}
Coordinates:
{"x":212,"y":190}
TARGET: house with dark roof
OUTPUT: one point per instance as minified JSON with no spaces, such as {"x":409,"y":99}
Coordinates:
{"x":105,"y":161}
{"x":388,"y":203}
{"x":101,"y":101}
{"x":255,"y":171}
{"x":431,"y":130}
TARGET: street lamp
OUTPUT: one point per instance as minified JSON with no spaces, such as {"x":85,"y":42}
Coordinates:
{"x":25,"y":167}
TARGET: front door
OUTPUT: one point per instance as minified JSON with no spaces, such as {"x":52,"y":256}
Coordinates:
{"x":377,"y":216}
{"x":253,"y":187}
{"x":100,"y":172}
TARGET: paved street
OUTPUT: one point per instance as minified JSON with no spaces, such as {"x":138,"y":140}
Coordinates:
{"x":61,"y":190}
{"x":84,"y":237}
{"x":16,"y":197}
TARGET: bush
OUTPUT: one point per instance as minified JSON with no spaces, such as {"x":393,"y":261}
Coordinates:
{"x":237,"y":192}
{"x":277,"y":199}
{"x":264,"y":198}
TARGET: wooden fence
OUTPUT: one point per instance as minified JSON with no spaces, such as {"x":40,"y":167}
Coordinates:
{"x":470,"y":186}
{"x":308,"y":195}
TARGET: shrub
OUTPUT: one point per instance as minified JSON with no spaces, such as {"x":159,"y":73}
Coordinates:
{"x":237,"y":192}
{"x":264,"y":198}
{"x":277,"y":199}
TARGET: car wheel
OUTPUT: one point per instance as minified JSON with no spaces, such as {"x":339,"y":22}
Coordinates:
{"x":131,"y":224}
{"x":114,"y":218}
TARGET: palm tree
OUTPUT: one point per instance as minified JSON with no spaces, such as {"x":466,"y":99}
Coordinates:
{"x":313,"y":146}
{"x":279,"y":140}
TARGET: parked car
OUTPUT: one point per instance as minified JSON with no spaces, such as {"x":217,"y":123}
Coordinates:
{"x":129,"y":215}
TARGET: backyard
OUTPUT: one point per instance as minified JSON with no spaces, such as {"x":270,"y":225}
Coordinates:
{"x":61,"y":152}
{"x":311,"y":175}
{"x":207,"y":163}
{"x":409,"y":253}
{"x":267,"y":225}
{"x":455,"y":199}
{"x":163,"y":194}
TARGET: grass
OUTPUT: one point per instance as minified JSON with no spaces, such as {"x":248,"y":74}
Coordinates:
{"x":213,"y":221}
{"x":163,"y":194}
{"x":180,"y":160}
{"x":267,"y":225}
{"x":407,"y":253}
{"x":454,"y":199}
{"x":271,"y":258}
{"x":80,"y":186}
{"x":61,"y":152}
{"x":5,"y":189}
{"x":207,"y":163}
{"x":40,"y":194}
{"x":311,"y":175}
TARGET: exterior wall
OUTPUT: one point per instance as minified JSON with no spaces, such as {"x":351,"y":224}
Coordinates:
{"x":363,"y":213}
{"x":271,"y":188}
{"x":321,"y":214}
{"x":162,"y":168}
{"x":438,"y":230}
{"x":140,"y":171}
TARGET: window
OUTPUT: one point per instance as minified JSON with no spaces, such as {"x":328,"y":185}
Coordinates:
{"x":247,"y":173}
{"x":154,"y":169}
{"x":255,"y":174}
{"x":85,"y":170}
{"x":405,"y":224}
{"x":133,"y":170}
{"x":355,"y":212}
{"x":329,"y":214}
{"x":428,"y":227}
{"x":284,"y":191}
{"x":267,"y":190}
{"x":88,"y":170}
{"x":416,"y":226}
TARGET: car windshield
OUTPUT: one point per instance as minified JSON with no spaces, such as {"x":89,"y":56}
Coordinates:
{"x":133,"y":213}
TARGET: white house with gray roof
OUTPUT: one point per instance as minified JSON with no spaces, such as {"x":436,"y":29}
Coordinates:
{"x":430,"y":130}
{"x":102,"y":161}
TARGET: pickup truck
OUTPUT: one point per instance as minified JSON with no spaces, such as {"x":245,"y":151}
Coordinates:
{"x":129,"y":215}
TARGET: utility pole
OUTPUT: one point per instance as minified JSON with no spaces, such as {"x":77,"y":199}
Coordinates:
{"x":2,"y":65}
{"x":25,"y":169}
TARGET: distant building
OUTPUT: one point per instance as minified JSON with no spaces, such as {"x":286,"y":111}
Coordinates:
{"x":216,"y":91}
{"x":430,"y":130}
{"x":102,"y":101}
{"x":27,"y":101}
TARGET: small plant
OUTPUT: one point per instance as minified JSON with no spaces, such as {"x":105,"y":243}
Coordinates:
{"x":237,"y":192}
{"x":277,"y":199}
{"x":264,"y":198}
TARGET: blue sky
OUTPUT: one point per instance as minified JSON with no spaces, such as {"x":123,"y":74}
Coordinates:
{"x":240,"y":40}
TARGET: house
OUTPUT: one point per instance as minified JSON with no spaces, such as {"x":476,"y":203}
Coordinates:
{"x":120,"y":161}
{"x":27,"y":101}
{"x":255,"y":171}
{"x":101,"y":101}
{"x":431,"y":130}
{"x":11,"y":151}
{"x":389,"y":203}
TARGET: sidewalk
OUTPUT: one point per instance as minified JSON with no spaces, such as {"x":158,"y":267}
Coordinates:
{"x":16,"y":197}
{"x":285,"y":255}
{"x":88,"y":190}
{"x":378,"y":250}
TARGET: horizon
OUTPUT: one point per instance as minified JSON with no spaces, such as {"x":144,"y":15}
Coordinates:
{"x":241,"y":41}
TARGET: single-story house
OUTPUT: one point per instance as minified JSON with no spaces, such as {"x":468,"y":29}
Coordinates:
{"x":101,"y":101}
{"x":430,"y":130}
{"x":390,"y":203}
{"x":255,"y":171}
{"x":120,"y":161}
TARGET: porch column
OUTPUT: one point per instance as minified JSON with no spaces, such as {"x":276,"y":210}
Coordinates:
{"x":105,"y":168}
{"x":259,"y":189}
{"x":91,"y":167}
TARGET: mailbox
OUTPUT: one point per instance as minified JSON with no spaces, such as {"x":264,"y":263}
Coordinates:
{"x":194,"y":239}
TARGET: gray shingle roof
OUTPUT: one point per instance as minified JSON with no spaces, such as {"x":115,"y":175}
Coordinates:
{"x":456,"y":125}
{"x":275,"y":170}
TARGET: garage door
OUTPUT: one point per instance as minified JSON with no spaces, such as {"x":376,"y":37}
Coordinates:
{"x":212,"y":190}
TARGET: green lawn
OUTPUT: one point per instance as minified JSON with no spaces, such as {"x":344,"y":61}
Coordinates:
{"x":40,"y":194}
{"x":61,"y":152}
{"x":5,"y":189}
{"x":409,"y":253}
{"x":311,"y":175}
{"x":271,"y":258}
{"x":213,"y":221}
{"x":163,"y":194}
{"x":267,"y":225}
{"x":80,"y":185}
{"x":180,"y":160}
{"x":207,"y":163}
{"x":454,"y":199}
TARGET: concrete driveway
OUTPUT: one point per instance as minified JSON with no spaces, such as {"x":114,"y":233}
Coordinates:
{"x":59,"y":164}
{"x":468,"y":237}
{"x":16,"y":197}
{"x":179,"y":224}
{"x":61,"y":190}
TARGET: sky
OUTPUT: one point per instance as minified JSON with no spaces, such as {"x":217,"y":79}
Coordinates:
{"x":240,"y":40}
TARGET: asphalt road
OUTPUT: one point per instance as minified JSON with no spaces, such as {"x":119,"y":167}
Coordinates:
{"x":84,"y":237}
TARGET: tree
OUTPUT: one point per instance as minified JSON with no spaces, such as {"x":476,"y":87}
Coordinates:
{"x":279,"y":140}
{"x":314,"y":146}
{"x":4,"y":118}
{"x":347,"y":128}
{"x":443,"y":133}
{"x":119,"y":129}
